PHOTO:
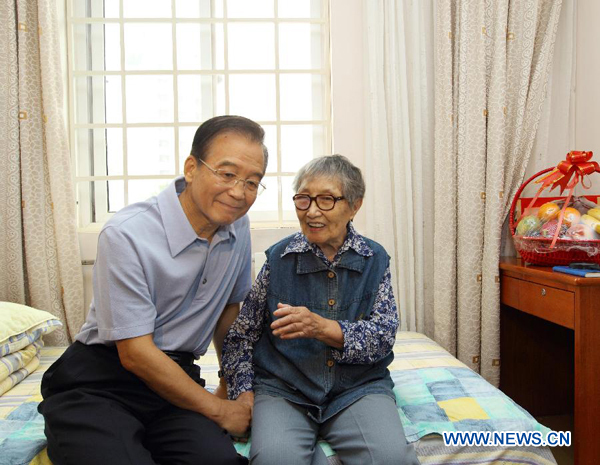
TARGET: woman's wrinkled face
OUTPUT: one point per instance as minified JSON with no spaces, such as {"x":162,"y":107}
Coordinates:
{"x":327,"y":229}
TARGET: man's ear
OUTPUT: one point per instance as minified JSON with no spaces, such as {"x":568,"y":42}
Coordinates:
{"x":189,"y":168}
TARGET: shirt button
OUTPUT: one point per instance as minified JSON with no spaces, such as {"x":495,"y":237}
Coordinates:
{"x":329,"y":363}
{"x":331,"y":302}
{"x":331,"y":274}
{"x":204,"y":281}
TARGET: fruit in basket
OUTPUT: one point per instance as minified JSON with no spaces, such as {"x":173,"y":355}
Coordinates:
{"x":572,"y":216}
{"x":528,"y":224}
{"x":594,"y":212}
{"x":591,"y":222}
{"x":581,"y":232}
{"x":549,"y":228}
{"x":548,"y":211}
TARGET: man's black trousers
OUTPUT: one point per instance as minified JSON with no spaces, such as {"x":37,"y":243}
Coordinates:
{"x":98,"y":413}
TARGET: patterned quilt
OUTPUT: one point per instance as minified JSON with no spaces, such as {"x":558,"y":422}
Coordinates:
{"x":434,"y":393}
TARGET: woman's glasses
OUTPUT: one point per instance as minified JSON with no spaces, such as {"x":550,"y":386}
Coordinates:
{"x":324,"y":202}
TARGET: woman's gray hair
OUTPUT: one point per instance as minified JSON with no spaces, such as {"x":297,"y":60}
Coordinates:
{"x":335,"y":167}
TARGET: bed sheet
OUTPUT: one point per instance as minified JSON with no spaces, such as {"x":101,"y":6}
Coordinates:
{"x":435,"y":392}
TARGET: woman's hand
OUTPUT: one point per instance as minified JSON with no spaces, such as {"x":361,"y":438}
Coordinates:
{"x":246,"y":398}
{"x":221,"y":391}
{"x":300,"y":322}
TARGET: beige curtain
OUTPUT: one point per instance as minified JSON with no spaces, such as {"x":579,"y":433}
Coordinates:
{"x":39,"y":252}
{"x":492,"y":65}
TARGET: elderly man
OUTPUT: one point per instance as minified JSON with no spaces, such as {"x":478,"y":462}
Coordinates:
{"x":169,"y":276}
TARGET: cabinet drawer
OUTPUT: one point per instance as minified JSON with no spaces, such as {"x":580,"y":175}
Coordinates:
{"x":548,"y":303}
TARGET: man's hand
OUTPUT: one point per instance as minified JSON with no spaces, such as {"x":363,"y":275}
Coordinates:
{"x":234,"y":416}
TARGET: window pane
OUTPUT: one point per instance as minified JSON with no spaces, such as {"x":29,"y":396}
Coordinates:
{"x":301,"y":97}
{"x":252,"y":96}
{"x":299,"y":9}
{"x":299,"y":145}
{"x":142,"y":189}
{"x":265,"y":207}
{"x":192,"y":8}
{"x":194,"y":49}
{"x":251,"y":45}
{"x":150,"y":151}
{"x":300,"y":46}
{"x":148,"y":46}
{"x":104,"y":40}
{"x":186,"y":138}
{"x":271,"y":143}
{"x":84,"y":197}
{"x":99,"y":152}
{"x":95,"y":9}
{"x":253,"y":9}
{"x":114,"y":151}
{"x":289,"y":211}
{"x":149,"y":99}
{"x":147,"y":9}
{"x":116,"y":194}
{"x":197,"y":98}
{"x":98,"y":99}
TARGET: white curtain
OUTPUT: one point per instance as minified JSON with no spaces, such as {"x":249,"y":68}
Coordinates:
{"x":493,"y":63}
{"x":39,"y":251}
{"x":399,"y":148}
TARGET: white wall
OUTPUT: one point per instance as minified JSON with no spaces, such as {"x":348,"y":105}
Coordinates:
{"x":587,"y":90}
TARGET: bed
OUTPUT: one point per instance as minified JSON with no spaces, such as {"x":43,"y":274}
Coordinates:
{"x":434,"y":392}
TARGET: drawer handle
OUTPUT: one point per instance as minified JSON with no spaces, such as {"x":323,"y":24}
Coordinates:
{"x":543,"y":291}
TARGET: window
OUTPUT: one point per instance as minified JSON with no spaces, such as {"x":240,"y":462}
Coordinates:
{"x":144,"y":74}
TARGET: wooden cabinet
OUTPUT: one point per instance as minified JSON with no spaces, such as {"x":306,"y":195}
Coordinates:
{"x":550,"y":348}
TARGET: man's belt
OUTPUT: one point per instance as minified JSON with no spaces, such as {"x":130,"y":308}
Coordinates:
{"x":180,"y":358}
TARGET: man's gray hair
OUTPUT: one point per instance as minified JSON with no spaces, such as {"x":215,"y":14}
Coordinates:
{"x":335,"y":167}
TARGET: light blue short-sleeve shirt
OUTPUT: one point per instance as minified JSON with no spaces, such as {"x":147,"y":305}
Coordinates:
{"x":154,"y":275}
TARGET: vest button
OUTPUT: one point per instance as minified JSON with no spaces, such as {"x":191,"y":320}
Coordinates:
{"x":331,"y":274}
{"x":329,"y":363}
{"x":331,"y":302}
{"x":204,"y":281}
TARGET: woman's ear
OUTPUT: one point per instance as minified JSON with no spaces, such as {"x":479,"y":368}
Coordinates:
{"x":189,"y":168}
{"x":356,"y":207}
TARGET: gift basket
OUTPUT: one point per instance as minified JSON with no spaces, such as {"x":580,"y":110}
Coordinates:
{"x":558,"y":230}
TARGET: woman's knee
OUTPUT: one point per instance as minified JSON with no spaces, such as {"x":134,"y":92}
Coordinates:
{"x":397,"y":453}
{"x":279,"y":453}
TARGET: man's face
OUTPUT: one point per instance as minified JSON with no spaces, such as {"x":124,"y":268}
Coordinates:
{"x":216,"y":204}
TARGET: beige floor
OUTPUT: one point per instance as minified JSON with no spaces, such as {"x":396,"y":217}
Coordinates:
{"x":563,"y":455}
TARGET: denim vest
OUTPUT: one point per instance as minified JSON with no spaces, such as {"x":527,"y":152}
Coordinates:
{"x":303,"y":371}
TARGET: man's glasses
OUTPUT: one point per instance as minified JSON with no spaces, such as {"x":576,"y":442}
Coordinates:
{"x":324,"y":202}
{"x":230,"y":179}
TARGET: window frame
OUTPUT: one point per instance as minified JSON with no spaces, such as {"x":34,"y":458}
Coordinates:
{"x":93,"y":206}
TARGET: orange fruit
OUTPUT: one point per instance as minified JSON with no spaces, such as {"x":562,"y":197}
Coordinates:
{"x":548,"y":211}
{"x":571,"y":217}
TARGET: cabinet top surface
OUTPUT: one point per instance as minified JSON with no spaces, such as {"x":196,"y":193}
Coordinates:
{"x":512,"y":266}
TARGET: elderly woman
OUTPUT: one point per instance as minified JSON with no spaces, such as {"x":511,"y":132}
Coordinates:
{"x":314,"y":336}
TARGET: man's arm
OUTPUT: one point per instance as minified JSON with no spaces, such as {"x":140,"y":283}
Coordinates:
{"x":225,"y":320}
{"x":141,"y":357}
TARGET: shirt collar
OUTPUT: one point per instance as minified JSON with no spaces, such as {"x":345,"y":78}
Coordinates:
{"x":354,"y":241}
{"x":178,"y":229}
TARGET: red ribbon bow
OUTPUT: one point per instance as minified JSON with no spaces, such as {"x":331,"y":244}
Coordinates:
{"x":576,"y":164}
